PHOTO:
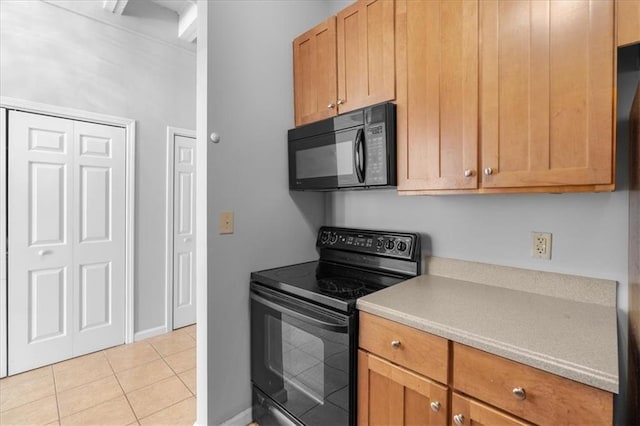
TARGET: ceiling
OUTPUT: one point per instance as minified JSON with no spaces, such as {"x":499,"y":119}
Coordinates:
{"x":186,"y":14}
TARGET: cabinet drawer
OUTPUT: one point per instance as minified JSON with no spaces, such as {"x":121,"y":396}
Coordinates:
{"x":411,"y":348}
{"x":466,"y":411}
{"x":543,"y":397}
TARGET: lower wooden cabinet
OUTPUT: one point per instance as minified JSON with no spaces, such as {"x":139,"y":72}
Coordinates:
{"x":391,"y":395}
{"x":466,"y":411}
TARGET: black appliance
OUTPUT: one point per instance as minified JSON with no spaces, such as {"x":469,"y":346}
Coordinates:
{"x":354,"y":150}
{"x":304,"y":324}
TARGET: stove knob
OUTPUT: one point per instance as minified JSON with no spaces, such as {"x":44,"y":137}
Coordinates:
{"x":324,"y":237}
{"x":402,"y":246}
{"x":334,"y":238}
{"x":380,"y":243}
{"x":390,"y":245}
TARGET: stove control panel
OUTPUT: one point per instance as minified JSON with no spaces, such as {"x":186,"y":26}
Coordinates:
{"x":382,"y":243}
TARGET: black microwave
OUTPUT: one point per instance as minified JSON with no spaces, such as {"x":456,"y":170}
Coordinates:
{"x":355,"y":150}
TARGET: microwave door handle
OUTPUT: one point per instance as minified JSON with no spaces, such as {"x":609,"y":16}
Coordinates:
{"x":304,"y":318}
{"x":358,"y":159}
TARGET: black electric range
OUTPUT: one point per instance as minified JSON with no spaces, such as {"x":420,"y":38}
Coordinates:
{"x":304,"y":324}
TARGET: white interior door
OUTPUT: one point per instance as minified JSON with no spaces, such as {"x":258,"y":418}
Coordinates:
{"x":184,"y":285}
{"x":66,"y":239}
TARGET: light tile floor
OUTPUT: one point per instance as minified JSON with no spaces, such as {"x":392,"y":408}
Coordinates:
{"x":151,"y":382}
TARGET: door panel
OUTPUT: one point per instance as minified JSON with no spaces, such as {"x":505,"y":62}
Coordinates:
{"x":40,"y":280}
{"x":47,"y":304}
{"x":99,"y":246}
{"x":184,"y":289}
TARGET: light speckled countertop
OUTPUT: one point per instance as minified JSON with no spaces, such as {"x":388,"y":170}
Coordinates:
{"x":570,"y":338}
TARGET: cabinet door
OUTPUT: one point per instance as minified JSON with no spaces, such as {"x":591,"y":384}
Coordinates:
{"x":388,"y":394}
{"x":437,"y":98}
{"x":465,"y":411}
{"x":366,"y":63}
{"x":547,"y":94}
{"x":628,"y":22}
{"x":314,"y":73}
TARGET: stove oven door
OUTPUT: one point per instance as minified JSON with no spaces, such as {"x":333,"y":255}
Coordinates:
{"x":303,"y":358}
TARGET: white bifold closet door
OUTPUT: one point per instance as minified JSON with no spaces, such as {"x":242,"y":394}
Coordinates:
{"x":66,"y":231}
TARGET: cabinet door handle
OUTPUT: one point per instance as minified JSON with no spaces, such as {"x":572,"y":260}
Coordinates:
{"x":468,"y":173}
{"x":458,"y":419}
{"x":519,"y":393}
{"x":488,"y":171}
{"x":395,"y":344}
{"x":341,"y":101}
{"x":331,"y":105}
{"x":435,"y":406}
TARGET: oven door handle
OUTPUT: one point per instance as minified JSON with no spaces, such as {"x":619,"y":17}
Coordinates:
{"x":337,"y":327}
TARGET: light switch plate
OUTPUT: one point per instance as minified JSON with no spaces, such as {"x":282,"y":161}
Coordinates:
{"x":225,"y":223}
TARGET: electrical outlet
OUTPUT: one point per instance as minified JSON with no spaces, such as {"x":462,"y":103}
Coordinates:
{"x":541,"y":245}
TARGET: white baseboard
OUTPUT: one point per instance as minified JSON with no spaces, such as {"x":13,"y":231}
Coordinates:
{"x":241,"y":419}
{"x":150,"y":332}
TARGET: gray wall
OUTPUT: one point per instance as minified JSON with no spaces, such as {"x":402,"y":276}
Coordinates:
{"x":590,"y":231}
{"x":123,"y":67}
{"x":250,"y":104}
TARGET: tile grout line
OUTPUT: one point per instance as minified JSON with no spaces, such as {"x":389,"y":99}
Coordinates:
{"x":122,"y":389}
{"x":55,"y":392}
{"x":164,"y":408}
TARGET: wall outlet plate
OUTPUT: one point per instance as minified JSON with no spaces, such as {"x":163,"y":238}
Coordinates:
{"x":225,"y":223}
{"x":541,"y":245}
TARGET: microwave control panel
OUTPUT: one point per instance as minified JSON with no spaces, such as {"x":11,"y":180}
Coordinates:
{"x":376,"y":152}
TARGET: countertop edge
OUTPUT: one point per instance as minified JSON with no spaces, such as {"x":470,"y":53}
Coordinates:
{"x":563,"y":368}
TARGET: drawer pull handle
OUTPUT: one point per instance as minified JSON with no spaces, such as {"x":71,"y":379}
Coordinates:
{"x":395,"y":344}
{"x":519,"y":393}
{"x":458,"y":419}
{"x":435,"y":406}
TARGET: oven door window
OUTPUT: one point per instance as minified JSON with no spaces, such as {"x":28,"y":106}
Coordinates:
{"x":326,"y":161}
{"x":301,"y":360}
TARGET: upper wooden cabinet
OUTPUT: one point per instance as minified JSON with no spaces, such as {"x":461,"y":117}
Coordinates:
{"x":437,"y":94}
{"x":547,"y":93}
{"x":314,"y":73}
{"x":345,"y":63}
{"x":366,"y":63}
{"x":628,"y":22}
{"x":530,"y":109}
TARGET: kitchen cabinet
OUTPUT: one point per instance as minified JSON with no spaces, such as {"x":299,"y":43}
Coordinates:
{"x":628,"y":22}
{"x":437,"y":94}
{"x":547,"y":94}
{"x":389,"y":394}
{"x":531,"y":394}
{"x":408,"y":376}
{"x":346,"y":62}
{"x":398,"y":371}
{"x":366,"y":46}
{"x":530,"y":109}
{"x":466,"y":411}
{"x":314,"y":73}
